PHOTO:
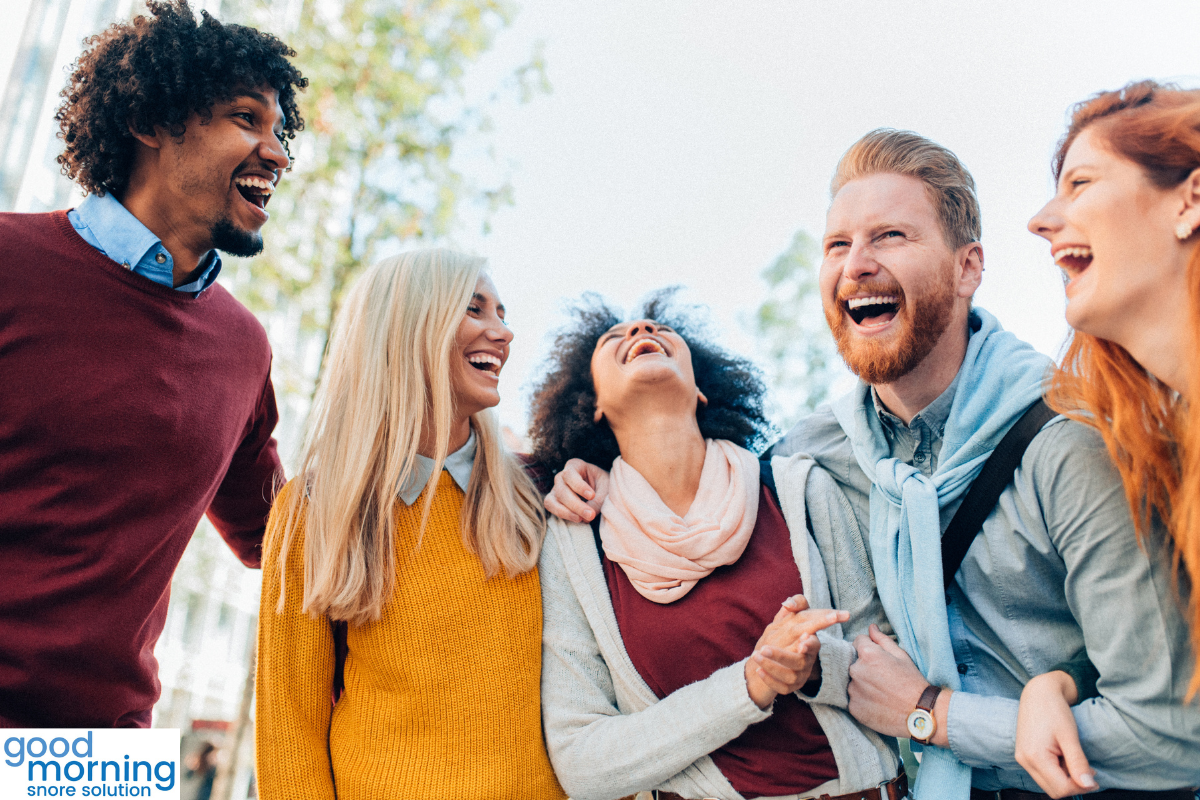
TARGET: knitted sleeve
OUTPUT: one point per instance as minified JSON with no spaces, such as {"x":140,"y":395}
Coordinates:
{"x":295,"y":678}
{"x":1083,"y":672}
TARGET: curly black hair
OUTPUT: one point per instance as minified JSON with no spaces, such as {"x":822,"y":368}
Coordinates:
{"x":564,"y":403}
{"x":158,"y":71}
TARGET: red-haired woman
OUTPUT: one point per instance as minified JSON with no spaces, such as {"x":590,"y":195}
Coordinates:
{"x":1122,"y":226}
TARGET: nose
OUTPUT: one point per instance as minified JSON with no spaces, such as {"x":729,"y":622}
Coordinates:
{"x":271,"y":151}
{"x":497,"y":332}
{"x":640,"y":327}
{"x":1046,"y":222}
{"x":859,"y":263}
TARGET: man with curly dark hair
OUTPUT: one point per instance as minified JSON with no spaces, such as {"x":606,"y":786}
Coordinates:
{"x":139,"y":395}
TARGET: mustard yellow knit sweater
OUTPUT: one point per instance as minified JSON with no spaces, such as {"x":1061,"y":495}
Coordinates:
{"x":442,"y":693}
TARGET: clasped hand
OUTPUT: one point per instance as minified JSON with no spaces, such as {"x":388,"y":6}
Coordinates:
{"x":786,"y":654}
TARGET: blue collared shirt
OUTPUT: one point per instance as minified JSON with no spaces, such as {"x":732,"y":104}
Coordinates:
{"x":458,"y":464}
{"x":108,"y":226}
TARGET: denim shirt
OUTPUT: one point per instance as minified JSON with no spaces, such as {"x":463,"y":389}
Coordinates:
{"x":108,"y":226}
{"x":1056,"y":569}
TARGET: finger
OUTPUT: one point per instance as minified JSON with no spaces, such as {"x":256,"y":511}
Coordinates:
{"x":575,"y":480}
{"x":1078,"y":767}
{"x":570,"y":500}
{"x":794,"y":660}
{"x":886,"y":643}
{"x":774,"y":676}
{"x":863,"y":644}
{"x":813,"y":621}
{"x":559,"y":510}
{"x":796,"y":603}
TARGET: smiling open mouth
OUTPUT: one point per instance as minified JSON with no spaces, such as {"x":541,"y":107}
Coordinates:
{"x":1073,"y":260}
{"x":643,"y":347}
{"x":485,"y":362}
{"x":256,"y":191}
{"x":877,"y":309}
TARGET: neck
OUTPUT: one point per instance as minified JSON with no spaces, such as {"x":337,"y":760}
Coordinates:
{"x":188,"y":241}
{"x":1162,"y":347}
{"x":460,"y":431}
{"x":668,"y":451}
{"x":920,"y":386}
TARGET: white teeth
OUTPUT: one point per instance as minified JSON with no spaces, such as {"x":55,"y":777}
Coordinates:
{"x":1077,"y":252}
{"x":879,"y":299}
{"x":484,"y":358}
{"x":253,"y":182}
{"x":643,"y":346}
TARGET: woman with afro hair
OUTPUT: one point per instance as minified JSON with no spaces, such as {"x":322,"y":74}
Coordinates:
{"x":680,"y":647}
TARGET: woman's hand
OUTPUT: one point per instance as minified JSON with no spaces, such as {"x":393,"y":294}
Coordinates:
{"x":1047,"y":739}
{"x":579,"y":492}
{"x":787,"y":651}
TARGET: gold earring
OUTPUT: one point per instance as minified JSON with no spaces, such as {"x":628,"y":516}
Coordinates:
{"x":1183,"y":231}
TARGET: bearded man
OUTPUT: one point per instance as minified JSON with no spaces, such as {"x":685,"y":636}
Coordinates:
{"x":137,"y":392}
{"x":1056,"y":570}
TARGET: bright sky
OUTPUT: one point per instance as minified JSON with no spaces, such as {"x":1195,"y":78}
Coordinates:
{"x":686,"y":141}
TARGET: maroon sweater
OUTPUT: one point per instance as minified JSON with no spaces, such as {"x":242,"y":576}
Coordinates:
{"x":127,"y":411}
{"x":716,"y":624}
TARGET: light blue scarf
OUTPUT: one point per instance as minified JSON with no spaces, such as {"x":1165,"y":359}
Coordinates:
{"x":1000,"y":377}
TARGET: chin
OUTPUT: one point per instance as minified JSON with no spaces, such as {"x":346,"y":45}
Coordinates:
{"x":229,"y":238}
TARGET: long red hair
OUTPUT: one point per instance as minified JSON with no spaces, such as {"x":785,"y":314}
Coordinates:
{"x":1151,"y":432}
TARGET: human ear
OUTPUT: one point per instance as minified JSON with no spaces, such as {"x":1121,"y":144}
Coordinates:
{"x":598,"y":416}
{"x":970,"y":262}
{"x":1189,"y":215}
{"x":700,"y":396}
{"x":150,"y":140}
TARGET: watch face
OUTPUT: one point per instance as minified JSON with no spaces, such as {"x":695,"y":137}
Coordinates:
{"x":920,"y":725}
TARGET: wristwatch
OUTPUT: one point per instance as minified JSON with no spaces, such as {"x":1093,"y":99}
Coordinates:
{"x":921,"y":724}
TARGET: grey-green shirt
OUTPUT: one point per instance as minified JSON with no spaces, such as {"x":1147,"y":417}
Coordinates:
{"x":1056,"y":569}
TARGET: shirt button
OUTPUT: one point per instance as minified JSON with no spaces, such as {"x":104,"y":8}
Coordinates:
{"x":962,"y":669}
{"x":125,"y":264}
{"x":919,"y":458}
{"x":160,"y":258}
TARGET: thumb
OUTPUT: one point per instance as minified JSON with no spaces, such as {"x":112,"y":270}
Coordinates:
{"x":1077,"y":764}
{"x":883,"y":640}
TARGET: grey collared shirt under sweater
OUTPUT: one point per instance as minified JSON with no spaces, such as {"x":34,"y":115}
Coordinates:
{"x":1055,"y":569}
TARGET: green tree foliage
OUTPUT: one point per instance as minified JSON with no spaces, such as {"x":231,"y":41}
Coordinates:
{"x":798,"y":350}
{"x":375,"y":168}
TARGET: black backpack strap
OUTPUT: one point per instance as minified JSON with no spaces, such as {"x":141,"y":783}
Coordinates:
{"x":997,"y":473}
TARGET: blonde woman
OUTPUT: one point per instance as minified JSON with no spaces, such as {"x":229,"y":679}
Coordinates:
{"x":410,"y":524}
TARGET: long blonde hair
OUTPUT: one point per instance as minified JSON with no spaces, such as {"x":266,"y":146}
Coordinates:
{"x":386,"y":380}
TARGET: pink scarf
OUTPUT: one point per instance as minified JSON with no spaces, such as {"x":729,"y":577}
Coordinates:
{"x":665,"y":555}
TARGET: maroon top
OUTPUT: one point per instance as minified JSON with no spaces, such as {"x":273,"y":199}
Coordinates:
{"x":127,"y":410}
{"x":716,"y":624}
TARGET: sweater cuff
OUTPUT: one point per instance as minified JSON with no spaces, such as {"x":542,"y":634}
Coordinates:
{"x":836,"y":656}
{"x":732,"y":683}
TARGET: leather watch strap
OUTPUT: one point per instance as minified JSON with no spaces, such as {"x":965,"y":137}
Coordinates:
{"x":929,"y":698}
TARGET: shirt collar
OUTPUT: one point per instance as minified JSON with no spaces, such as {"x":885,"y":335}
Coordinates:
{"x":459,"y":464}
{"x":122,"y":237}
{"x":934,"y":415}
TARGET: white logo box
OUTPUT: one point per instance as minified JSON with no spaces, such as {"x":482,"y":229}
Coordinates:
{"x":89,"y":762}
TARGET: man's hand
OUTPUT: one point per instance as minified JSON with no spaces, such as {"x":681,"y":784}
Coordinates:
{"x":787,"y":651}
{"x":579,"y":492}
{"x":1048,"y":740}
{"x":885,"y":686}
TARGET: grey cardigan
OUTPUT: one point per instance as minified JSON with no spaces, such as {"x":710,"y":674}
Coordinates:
{"x":607,"y":733}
